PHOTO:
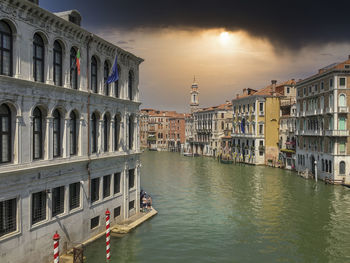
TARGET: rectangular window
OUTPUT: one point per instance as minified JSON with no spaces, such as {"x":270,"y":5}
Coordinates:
{"x":322,"y":85}
{"x":116,"y":183}
{"x":261,"y":129}
{"x":74,"y":195}
{"x":342,"y":82}
{"x":330,"y":82}
{"x":131,"y":205}
{"x":261,"y":106}
{"x":116,"y":211}
{"x":131,"y":178}
{"x":341,"y":147}
{"x":95,"y":222}
{"x":38,"y":207}
{"x":106,"y":186}
{"x":95,"y":189}
{"x":57,"y":200}
{"x":288,"y":89}
{"x":8,"y":216}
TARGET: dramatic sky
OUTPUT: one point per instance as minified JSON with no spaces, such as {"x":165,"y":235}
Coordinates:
{"x":228,"y":45}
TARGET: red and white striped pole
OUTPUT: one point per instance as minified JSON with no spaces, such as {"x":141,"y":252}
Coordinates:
{"x":108,"y":246}
{"x":56,"y":242}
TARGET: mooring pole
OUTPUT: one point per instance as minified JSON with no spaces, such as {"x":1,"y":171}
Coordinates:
{"x":108,"y":245}
{"x":56,"y":240}
{"x":316,"y":171}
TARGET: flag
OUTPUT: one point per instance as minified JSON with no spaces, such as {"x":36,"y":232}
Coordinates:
{"x":114,"y":76}
{"x":78,"y":61}
{"x":242,"y":125}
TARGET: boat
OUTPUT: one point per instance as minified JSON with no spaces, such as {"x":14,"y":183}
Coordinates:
{"x":226,"y":161}
{"x":188,"y":154}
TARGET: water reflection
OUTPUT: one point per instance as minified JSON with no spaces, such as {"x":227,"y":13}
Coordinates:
{"x":210,"y":212}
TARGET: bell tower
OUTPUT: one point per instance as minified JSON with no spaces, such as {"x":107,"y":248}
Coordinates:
{"x":194,"y":96}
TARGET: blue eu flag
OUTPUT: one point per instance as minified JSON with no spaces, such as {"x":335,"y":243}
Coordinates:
{"x":114,"y":76}
{"x":242,"y":125}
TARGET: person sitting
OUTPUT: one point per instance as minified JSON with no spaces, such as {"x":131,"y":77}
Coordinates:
{"x":149,"y":203}
{"x":144,"y":203}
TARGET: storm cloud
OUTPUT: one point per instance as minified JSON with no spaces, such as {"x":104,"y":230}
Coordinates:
{"x":291,"y":24}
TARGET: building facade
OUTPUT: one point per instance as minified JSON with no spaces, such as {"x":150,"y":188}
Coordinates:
{"x":176,"y":138}
{"x":323,"y":123}
{"x":209,"y":127}
{"x":256,"y":118}
{"x":69,"y":143}
{"x":287,"y":139}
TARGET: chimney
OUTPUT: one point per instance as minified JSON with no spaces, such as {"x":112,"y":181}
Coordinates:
{"x":237,"y":96}
{"x":273,"y":83}
{"x":244,"y":91}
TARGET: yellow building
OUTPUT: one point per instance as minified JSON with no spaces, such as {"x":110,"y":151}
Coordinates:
{"x":256,"y":115}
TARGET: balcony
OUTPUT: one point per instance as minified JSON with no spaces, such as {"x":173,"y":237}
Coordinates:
{"x":311,"y":112}
{"x":337,"y":133}
{"x":309,"y":132}
{"x":320,"y":111}
{"x":343,"y":109}
{"x":329,"y":110}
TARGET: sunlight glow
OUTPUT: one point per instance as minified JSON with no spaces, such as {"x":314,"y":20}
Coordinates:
{"x":225,"y":37}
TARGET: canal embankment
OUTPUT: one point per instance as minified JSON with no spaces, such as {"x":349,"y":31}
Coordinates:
{"x":118,"y":229}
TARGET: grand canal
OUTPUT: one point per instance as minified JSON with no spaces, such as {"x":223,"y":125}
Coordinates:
{"x":212,"y":212}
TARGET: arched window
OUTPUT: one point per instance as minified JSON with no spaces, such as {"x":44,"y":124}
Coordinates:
{"x":322,"y":165}
{"x":94,"y":74}
{"x":330,"y":166}
{"x":73,"y":69}
{"x":56,"y":133}
{"x":326,"y":162}
{"x":57,"y":64}
{"x":73,"y":133}
{"x":5,"y":134}
{"x":37,"y":134}
{"x":130,"y":85}
{"x":342,"y":167}
{"x":105,"y":77}
{"x":116,"y":84}
{"x":116,"y":132}
{"x":131,"y":132}
{"x":38,"y":58}
{"x":105,"y":133}
{"x":94,"y":132}
{"x":5,"y":49}
{"x":222,"y":125}
{"x":342,"y":100}
{"x":331,"y":100}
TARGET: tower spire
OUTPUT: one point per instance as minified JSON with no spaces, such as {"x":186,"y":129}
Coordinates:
{"x":194,"y":104}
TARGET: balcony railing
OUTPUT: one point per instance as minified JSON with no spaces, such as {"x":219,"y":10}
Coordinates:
{"x":337,"y":133}
{"x":343,"y":109}
{"x":309,"y":132}
{"x":329,"y":110}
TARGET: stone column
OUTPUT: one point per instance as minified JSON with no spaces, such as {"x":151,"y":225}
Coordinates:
{"x":111,"y":135}
{"x":100,"y":137}
{"x":17,"y":56}
{"x":66,"y":69}
{"x":49,"y":138}
{"x":66,"y":138}
{"x":18,"y":139}
{"x":48,"y":66}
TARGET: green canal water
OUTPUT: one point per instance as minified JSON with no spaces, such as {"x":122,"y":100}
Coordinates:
{"x":212,"y":212}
